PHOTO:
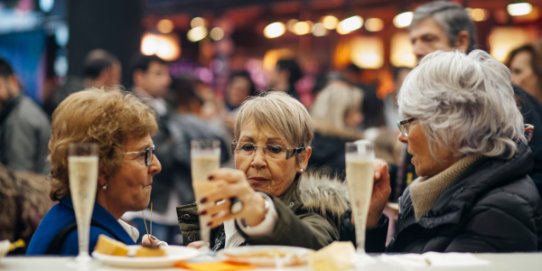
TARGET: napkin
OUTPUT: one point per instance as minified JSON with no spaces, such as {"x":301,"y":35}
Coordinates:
{"x":215,"y":266}
{"x":432,"y":259}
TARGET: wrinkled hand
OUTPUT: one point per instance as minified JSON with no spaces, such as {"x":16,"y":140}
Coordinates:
{"x":381,"y":192}
{"x":150,"y":241}
{"x":231,"y":183}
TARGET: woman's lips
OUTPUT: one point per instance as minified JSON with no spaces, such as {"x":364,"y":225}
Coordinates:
{"x":257,"y":180}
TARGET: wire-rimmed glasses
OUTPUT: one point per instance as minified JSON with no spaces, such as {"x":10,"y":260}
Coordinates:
{"x":404,"y":126}
{"x":273,"y":151}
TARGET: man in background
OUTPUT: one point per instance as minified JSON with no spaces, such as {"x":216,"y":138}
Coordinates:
{"x":100,"y":69}
{"x":24,"y":127}
{"x":285,"y":76}
{"x":151,"y":82}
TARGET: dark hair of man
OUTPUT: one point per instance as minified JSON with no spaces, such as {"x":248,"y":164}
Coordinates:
{"x":290,"y":65}
{"x":96,"y":62}
{"x":142,"y":63}
{"x":5,"y":68}
{"x":245,"y":74}
{"x":183,"y":93}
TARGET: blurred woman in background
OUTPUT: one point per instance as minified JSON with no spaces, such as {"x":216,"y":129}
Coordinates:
{"x":525,"y":63}
{"x":336,"y":116}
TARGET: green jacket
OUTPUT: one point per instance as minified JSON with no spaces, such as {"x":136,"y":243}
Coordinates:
{"x":308,"y":216}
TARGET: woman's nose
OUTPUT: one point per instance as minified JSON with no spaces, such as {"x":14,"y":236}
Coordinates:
{"x":156,"y":166}
{"x":402,"y":138}
{"x":258,"y":158}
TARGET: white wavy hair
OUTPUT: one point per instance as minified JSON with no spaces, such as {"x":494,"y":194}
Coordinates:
{"x":465,"y":103}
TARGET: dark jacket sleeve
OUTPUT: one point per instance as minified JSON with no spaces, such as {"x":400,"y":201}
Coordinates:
{"x":302,"y":228}
{"x":532,"y":114}
{"x":500,"y":222}
{"x":188,"y":218}
{"x":375,"y":238}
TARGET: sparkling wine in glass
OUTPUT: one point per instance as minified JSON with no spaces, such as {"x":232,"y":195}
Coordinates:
{"x":359,"y":177}
{"x":205,"y":157}
{"x":83,"y":171}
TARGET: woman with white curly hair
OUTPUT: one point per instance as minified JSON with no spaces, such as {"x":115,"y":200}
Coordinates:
{"x":466,"y":135}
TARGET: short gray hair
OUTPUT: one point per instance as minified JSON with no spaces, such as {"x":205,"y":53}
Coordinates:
{"x":452,"y":17}
{"x":333,"y":102}
{"x":465,"y":103}
{"x":277,"y":111}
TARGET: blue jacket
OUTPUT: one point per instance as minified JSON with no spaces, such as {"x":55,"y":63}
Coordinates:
{"x":62,"y":216}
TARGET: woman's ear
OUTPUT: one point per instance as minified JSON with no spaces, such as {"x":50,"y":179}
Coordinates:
{"x":102,"y":180}
{"x":304,"y":157}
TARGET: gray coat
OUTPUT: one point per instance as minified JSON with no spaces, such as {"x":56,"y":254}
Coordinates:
{"x":24,"y":134}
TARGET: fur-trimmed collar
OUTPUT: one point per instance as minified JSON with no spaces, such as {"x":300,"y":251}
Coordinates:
{"x":324,"y":194}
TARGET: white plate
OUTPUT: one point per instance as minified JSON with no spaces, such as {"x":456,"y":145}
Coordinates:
{"x":267,"y":255}
{"x":174,"y":254}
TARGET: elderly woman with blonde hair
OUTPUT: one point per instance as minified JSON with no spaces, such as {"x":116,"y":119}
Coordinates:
{"x":121,"y":125}
{"x":466,"y":136}
{"x":280,"y":204}
{"x":336,"y":116}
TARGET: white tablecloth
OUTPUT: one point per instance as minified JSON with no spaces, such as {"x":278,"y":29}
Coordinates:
{"x":428,"y":261}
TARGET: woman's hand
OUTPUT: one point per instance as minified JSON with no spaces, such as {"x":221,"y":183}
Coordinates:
{"x":381,"y":193}
{"x":150,"y":241}
{"x":229,"y":184}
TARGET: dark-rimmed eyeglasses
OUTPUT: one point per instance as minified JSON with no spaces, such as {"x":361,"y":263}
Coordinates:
{"x":404,"y":126}
{"x":270,"y":150}
{"x":147,"y":154}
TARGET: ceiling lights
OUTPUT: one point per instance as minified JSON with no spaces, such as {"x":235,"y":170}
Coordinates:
{"x":519,"y":8}
{"x":403,"y":19}
{"x":350,"y":25}
{"x":274,"y":30}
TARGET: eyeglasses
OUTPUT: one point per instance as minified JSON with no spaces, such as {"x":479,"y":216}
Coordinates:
{"x":404,"y":126}
{"x":529,"y":131}
{"x":270,"y":150}
{"x":147,"y":154}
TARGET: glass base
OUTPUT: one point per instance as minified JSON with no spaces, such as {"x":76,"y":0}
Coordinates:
{"x":83,"y":262}
{"x":363,"y":260}
{"x":83,"y":258}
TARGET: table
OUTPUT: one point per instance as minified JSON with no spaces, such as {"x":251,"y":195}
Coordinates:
{"x":494,"y":262}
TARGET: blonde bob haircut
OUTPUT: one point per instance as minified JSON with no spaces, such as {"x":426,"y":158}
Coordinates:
{"x":334,"y":102}
{"x":465,"y":103}
{"x":107,"y":117}
{"x":279,"y":112}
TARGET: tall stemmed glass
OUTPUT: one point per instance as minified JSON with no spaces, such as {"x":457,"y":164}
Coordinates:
{"x":205,"y":157}
{"x":359,"y":177}
{"x":83,"y":170}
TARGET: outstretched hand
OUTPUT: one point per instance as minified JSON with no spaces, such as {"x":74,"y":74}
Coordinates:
{"x":232,"y":184}
{"x":381,"y":193}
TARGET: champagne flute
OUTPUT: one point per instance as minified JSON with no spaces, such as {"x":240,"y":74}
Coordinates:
{"x":205,"y":157}
{"x":83,"y":171}
{"x":359,"y":177}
